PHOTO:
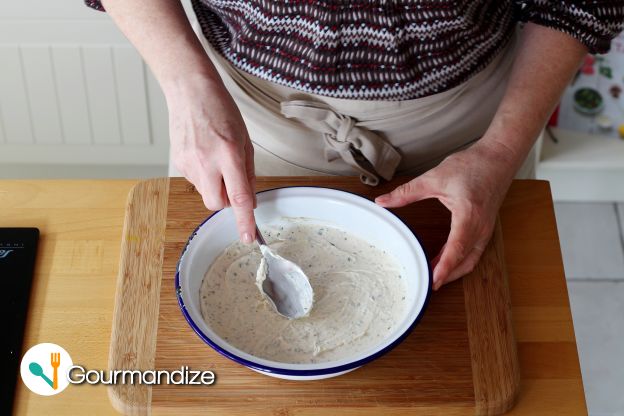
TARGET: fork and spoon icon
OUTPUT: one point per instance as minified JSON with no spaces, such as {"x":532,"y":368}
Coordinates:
{"x":55,"y":361}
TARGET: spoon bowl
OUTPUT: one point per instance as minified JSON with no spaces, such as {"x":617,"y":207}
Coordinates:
{"x":36,"y":369}
{"x":283,"y":284}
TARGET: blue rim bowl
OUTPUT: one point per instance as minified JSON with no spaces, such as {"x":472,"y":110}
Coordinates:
{"x":341,"y":209}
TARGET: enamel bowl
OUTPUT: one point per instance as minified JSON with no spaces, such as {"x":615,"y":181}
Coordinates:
{"x":349,"y":212}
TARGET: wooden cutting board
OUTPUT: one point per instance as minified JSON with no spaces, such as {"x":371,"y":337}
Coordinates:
{"x":461,"y":358}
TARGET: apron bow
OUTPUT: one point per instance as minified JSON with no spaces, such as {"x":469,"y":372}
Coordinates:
{"x":359,"y":147}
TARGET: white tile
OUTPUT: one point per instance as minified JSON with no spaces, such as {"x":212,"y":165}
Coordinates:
{"x":590,"y":240}
{"x":597,"y":310}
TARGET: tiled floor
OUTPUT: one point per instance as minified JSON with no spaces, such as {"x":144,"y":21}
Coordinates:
{"x":592,"y":241}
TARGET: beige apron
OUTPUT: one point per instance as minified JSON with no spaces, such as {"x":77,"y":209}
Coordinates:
{"x":297,"y":133}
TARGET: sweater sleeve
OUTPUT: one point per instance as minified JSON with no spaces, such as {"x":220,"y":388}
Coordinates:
{"x":594,"y":23}
{"x":95,"y":4}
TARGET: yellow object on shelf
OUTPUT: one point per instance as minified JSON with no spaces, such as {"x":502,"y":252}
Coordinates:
{"x":621,"y":131}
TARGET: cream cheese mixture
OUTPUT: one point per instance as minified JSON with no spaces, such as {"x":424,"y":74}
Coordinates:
{"x":359,"y":295}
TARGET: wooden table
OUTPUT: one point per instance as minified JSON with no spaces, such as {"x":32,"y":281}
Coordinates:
{"x":72,"y":299}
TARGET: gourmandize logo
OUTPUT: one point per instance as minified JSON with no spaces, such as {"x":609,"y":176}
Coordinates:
{"x":5,"y":253}
{"x":47,"y":369}
{"x":55,"y":361}
{"x":44,"y":369}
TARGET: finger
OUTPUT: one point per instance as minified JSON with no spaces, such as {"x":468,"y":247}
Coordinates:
{"x":241,"y":200}
{"x":412,"y":191}
{"x":460,"y":241}
{"x":224,"y":193}
{"x":436,"y":259}
{"x":250,"y":169}
{"x":466,"y":266}
{"x":471,"y":261}
{"x":210,"y":188}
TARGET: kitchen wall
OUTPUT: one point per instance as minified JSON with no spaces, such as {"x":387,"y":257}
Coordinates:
{"x":75,"y":97}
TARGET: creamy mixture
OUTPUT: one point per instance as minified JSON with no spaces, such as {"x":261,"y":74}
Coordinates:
{"x":359,"y":295}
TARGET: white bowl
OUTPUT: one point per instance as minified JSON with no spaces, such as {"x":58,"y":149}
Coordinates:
{"x":344,"y":210}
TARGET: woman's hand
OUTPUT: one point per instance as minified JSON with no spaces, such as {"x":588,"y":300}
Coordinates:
{"x":209,"y":142}
{"x":211,"y":148}
{"x":471,"y":184}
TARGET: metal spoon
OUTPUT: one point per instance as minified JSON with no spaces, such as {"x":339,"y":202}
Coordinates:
{"x":283,"y":283}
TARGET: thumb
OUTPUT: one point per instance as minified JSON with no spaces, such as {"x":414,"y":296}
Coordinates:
{"x":412,"y":191}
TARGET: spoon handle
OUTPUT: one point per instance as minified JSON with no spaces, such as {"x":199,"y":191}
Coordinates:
{"x":259,"y":237}
{"x":43,"y":376}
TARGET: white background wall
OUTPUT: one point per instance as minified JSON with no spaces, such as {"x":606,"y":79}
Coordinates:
{"x":74,"y":93}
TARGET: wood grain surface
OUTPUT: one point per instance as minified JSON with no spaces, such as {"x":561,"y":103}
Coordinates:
{"x":495,"y":371}
{"x":78,"y":262}
{"x":448,"y":362}
{"x":135,"y":317}
{"x":73,"y":289}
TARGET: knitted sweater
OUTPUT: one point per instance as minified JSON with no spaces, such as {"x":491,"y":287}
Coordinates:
{"x":386,"y":49}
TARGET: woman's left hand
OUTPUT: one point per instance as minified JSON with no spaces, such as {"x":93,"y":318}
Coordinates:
{"x":472,"y":184}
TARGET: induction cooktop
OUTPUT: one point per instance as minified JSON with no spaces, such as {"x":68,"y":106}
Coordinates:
{"x":18,"y":250}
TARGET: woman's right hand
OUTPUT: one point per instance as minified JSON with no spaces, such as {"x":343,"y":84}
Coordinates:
{"x":210,"y":146}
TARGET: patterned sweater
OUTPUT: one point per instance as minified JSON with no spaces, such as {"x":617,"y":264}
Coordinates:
{"x":386,"y":49}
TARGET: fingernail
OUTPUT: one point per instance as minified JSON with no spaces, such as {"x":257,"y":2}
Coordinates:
{"x":382,"y":198}
{"x":246,"y":238}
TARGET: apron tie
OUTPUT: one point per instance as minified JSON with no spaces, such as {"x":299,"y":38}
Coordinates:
{"x":359,"y":147}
